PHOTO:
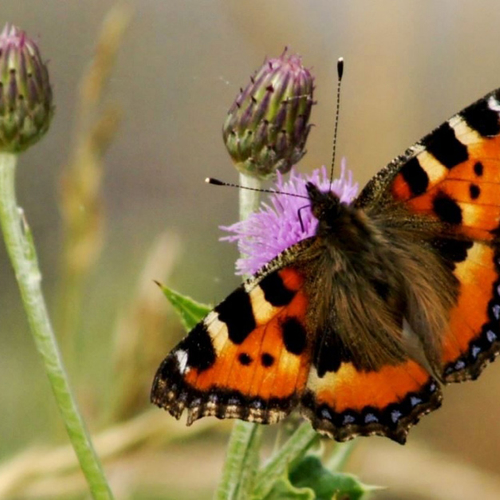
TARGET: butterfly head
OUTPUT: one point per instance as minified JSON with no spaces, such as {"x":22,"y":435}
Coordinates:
{"x":325,"y":206}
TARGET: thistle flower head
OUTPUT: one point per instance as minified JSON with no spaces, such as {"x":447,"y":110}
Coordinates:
{"x":266,"y":128}
{"x":25,"y":93}
{"x":276,"y":226}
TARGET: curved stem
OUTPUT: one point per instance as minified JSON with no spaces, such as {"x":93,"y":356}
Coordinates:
{"x":21,"y":250}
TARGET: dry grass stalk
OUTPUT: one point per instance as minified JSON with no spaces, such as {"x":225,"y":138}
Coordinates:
{"x":48,"y":471}
{"x":81,"y":183}
{"x":140,"y":337}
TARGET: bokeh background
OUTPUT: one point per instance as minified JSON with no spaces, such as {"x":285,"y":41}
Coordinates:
{"x":409,"y":66}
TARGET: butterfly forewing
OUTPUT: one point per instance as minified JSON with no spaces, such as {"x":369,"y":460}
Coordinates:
{"x":453,"y":177}
{"x":249,"y":358}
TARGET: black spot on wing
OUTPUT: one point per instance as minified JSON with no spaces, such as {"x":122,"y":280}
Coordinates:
{"x":327,"y":357}
{"x":168,"y":367}
{"x":447,"y":209}
{"x":415,"y":176}
{"x":245,"y":359}
{"x":267,"y":359}
{"x":199,"y":348}
{"x":330,"y":353}
{"x":445,"y":147}
{"x":451,"y":250}
{"x":275,"y":291}
{"x":482,"y":119}
{"x":294,"y":336}
{"x":478,"y":168}
{"x":236,"y":312}
{"x":474,"y":191}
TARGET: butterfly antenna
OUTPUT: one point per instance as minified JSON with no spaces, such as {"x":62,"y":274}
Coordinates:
{"x":340,"y":72}
{"x":217,"y":182}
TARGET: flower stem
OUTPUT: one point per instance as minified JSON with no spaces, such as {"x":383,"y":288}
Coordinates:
{"x":249,"y":200}
{"x":242,"y":461}
{"x":242,"y":458}
{"x":22,"y":253}
{"x":299,"y":442}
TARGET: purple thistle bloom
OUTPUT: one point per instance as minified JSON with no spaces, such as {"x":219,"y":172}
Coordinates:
{"x":276,"y":226}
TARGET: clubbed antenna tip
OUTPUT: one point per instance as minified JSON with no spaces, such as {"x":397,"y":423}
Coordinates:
{"x":215,"y":182}
{"x":340,"y":67}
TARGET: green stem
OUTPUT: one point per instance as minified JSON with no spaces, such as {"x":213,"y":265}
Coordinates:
{"x":249,"y":200}
{"x":242,"y":458}
{"x":298,"y":443}
{"x":22,"y":253}
{"x":242,"y":461}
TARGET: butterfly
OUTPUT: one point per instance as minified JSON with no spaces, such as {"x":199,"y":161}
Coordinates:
{"x":361,"y":324}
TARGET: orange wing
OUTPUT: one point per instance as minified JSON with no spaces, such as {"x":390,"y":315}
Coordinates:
{"x":472,"y":339}
{"x":453,"y":175}
{"x":349,"y":402}
{"x":249,"y":358}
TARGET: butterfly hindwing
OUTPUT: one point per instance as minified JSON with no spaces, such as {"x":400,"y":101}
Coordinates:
{"x":249,"y":358}
{"x":349,"y":402}
{"x":452,"y":176}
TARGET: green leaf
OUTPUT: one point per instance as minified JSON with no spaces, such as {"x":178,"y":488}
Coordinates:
{"x":310,"y":473}
{"x":283,"y":489}
{"x":190,"y":311}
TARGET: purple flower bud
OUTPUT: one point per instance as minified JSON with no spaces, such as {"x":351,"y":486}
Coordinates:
{"x":267,"y":126}
{"x":25,"y":94}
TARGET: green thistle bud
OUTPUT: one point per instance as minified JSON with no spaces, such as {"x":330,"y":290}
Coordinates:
{"x":25,"y":93}
{"x":267,"y":126}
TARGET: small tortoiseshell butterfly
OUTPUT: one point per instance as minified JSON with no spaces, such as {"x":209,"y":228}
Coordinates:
{"x":358,"y":325}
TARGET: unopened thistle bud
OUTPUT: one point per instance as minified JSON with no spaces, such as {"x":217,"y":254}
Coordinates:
{"x":267,"y":126}
{"x":25,"y":93}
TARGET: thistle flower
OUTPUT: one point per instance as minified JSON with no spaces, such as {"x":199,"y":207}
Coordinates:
{"x":267,"y":126}
{"x":276,"y":226}
{"x":25,"y":93}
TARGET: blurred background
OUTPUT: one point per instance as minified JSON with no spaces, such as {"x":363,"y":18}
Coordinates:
{"x":116,"y":199}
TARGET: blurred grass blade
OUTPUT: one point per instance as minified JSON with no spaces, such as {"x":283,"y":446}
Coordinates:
{"x":190,"y":311}
{"x":81,"y":198}
{"x":52,"y":472}
{"x":143,"y":331}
